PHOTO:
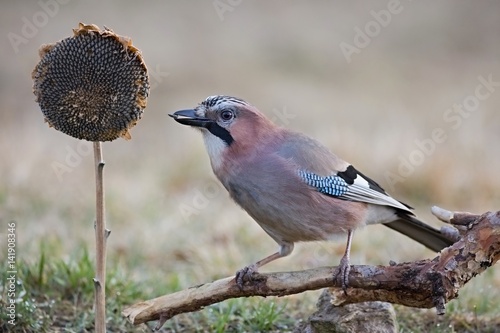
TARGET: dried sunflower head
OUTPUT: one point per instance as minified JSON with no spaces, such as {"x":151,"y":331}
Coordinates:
{"x":93,"y":85}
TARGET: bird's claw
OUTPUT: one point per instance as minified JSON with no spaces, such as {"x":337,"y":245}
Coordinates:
{"x":341,"y":273}
{"x":244,"y":275}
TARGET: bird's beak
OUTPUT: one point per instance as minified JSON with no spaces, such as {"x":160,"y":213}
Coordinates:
{"x":189,"y":117}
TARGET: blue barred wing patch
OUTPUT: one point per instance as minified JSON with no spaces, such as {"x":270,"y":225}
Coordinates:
{"x":331,"y":185}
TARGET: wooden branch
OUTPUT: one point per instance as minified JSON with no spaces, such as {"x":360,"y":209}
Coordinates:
{"x":424,"y":284}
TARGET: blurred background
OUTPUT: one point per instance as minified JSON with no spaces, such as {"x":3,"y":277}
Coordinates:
{"x":374,"y":81}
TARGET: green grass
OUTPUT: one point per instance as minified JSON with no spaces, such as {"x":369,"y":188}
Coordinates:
{"x":56,"y":295}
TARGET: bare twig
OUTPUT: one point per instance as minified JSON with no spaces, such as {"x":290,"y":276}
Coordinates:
{"x":101,"y":234}
{"x":425,"y":284}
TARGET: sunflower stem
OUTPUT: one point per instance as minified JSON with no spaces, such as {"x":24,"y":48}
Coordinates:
{"x":101,"y":234}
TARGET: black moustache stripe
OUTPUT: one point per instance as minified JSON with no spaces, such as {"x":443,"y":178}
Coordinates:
{"x":220,"y":132}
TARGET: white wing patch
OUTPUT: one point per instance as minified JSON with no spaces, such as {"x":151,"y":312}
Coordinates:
{"x":360,"y":191}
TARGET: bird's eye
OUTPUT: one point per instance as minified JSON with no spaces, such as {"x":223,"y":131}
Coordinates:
{"x":226,"y":115}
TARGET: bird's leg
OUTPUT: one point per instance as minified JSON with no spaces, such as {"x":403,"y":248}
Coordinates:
{"x":245,"y":274}
{"x":342,"y":271}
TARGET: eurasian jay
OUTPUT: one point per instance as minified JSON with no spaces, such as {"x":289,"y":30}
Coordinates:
{"x":293,"y":186}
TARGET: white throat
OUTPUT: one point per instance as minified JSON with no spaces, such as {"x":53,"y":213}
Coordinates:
{"x":215,"y":148}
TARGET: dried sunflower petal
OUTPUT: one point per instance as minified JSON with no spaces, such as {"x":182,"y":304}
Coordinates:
{"x":93,"y":85}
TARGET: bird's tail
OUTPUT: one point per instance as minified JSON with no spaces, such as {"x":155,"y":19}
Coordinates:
{"x":421,"y":232}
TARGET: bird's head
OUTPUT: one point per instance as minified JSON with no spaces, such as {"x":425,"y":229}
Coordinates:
{"x":232,"y":128}
{"x":227,"y":123}
{"x":215,"y":115}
